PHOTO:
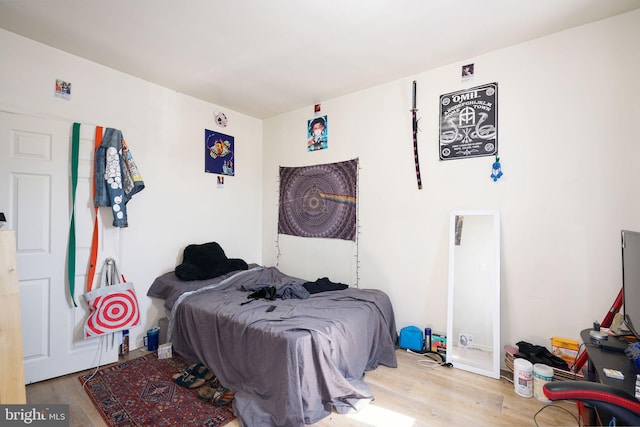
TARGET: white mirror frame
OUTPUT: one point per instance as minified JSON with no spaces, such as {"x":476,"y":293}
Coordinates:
{"x":463,"y":352}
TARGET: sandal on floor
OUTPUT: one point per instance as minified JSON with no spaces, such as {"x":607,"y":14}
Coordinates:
{"x":189,"y":381}
{"x":209,"y":376}
{"x":223,"y":397}
{"x":196,"y":376}
{"x":189,"y":371}
{"x":208,"y":391}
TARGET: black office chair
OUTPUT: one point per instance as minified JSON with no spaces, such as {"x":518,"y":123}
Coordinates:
{"x":620,"y":404}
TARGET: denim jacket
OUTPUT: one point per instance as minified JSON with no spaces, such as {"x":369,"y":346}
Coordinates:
{"x":116,"y":176}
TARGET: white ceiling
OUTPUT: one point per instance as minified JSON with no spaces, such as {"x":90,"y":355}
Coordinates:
{"x":266,"y":57}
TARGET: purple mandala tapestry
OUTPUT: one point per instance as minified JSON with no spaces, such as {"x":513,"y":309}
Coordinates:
{"x":319,"y":200}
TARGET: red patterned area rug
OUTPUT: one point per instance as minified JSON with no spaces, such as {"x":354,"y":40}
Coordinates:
{"x":141,"y":392}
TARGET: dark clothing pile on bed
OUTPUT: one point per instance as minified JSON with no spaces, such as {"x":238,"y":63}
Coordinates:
{"x":291,"y":290}
{"x":323,"y":285}
{"x":271,"y":292}
{"x":206,"y":261}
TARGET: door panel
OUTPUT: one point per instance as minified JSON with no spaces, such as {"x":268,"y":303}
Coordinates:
{"x":35,"y":196}
{"x":37,"y":293}
{"x":33,"y":209}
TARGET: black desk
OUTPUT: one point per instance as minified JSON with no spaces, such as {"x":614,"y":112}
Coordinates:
{"x":600,"y":359}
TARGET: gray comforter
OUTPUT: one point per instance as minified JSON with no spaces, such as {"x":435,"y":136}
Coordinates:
{"x":293,"y":365}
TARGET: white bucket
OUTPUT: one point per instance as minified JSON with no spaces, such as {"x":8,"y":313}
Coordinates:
{"x":542,"y":374}
{"x":523,"y":377}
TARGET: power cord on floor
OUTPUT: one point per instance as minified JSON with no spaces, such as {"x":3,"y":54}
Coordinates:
{"x":99,"y":356}
{"x":577,"y":420}
{"x":436,"y":359}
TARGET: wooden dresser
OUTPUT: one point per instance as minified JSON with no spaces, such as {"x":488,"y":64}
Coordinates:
{"x":12,"y":388}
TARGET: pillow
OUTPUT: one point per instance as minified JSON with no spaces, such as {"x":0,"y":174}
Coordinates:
{"x":169,"y":287}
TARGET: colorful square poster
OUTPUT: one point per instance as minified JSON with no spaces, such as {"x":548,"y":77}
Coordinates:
{"x":218,"y":153}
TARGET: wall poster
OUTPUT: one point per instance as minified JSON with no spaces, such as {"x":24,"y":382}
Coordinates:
{"x":63,"y":89}
{"x":319,"y":200}
{"x":317,"y":134}
{"x":469,"y":123}
{"x":218,"y":153}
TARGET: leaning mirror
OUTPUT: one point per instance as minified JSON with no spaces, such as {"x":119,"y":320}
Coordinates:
{"x":473,"y":318}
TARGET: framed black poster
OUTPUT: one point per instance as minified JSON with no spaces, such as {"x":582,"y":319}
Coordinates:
{"x":469,"y":123}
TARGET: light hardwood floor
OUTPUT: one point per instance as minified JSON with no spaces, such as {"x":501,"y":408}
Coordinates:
{"x":415,"y":394}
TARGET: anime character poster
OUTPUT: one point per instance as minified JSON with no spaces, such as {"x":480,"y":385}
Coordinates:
{"x":218,"y":153}
{"x":317,"y":134}
{"x":469,"y":123}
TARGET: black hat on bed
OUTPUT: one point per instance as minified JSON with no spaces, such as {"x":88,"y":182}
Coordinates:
{"x":206,"y":261}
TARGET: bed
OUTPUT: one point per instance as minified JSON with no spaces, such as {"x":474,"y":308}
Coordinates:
{"x":290,"y":366}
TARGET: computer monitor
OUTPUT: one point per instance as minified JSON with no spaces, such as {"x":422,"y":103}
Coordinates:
{"x":631,"y":279}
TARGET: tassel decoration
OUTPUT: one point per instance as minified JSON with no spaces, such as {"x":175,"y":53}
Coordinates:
{"x":497,"y":170}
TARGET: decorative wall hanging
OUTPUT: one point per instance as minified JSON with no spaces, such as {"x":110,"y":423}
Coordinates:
{"x":496,"y":171}
{"x":469,"y":123}
{"x":319,"y":201}
{"x":317,"y":134}
{"x":218,"y":153}
{"x":221,"y":119}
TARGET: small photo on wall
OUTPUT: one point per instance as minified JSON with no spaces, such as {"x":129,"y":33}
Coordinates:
{"x":63,"y":89}
{"x":218,"y":153}
{"x":467,"y":72}
{"x":317,"y":134}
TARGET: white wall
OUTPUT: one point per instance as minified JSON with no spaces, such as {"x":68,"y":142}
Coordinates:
{"x":569,"y":147}
{"x":165,"y":132}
